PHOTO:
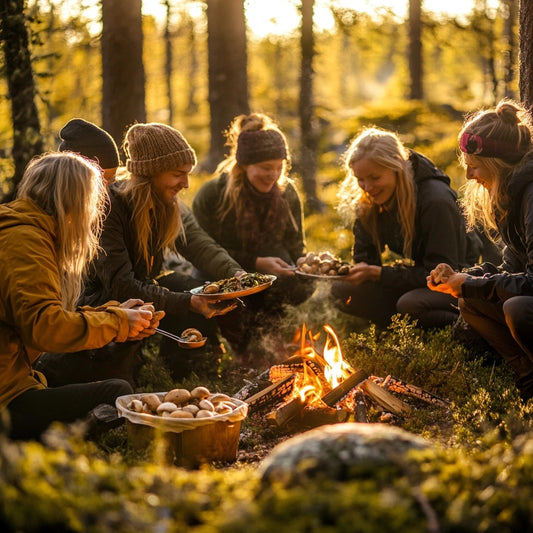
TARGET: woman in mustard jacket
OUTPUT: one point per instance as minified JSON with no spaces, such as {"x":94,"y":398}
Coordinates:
{"x":48,"y":235}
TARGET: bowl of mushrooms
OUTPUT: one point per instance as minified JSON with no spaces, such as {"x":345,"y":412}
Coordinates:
{"x":196,"y":426}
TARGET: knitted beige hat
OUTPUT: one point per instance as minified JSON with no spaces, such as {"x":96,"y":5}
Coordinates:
{"x":153,"y":147}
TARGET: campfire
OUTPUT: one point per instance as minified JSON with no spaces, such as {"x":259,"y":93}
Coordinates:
{"x":310,"y":388}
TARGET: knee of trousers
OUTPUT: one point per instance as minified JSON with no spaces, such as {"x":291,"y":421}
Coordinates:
{"x":408,"y":304}
{"x":517,"y":311}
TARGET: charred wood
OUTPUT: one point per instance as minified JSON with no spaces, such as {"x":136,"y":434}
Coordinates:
{"x":341,"y":390}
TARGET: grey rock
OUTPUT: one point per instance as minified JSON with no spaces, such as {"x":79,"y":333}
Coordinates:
{"x":339,"y":452}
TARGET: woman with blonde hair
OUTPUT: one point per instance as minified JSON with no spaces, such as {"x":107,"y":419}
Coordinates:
{"x":252,"y":209}
{"x":145,"y":221}
{"x":48,"y":236}
{"x":497,"y":301}
{"x":401,"y":200}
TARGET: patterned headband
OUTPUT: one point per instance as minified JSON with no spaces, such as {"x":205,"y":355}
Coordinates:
{"x":486,"y":147}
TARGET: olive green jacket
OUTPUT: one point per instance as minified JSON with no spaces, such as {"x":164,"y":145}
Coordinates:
{"x":32,"y":317}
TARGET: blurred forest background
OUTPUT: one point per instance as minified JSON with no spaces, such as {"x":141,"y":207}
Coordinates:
{"x":197,"y":64}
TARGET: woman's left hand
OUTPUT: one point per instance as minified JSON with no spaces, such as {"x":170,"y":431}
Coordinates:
{"x":274,"y":265}
{"x":453,"y":285}
{"x":362,"y":272}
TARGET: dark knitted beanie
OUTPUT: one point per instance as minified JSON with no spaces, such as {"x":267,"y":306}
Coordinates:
{"x":88,"y":140}
{"x":260,"y":145}
{"x":152,"y":148}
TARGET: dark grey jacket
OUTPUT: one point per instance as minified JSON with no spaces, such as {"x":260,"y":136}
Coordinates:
{"x":440,"y":234}
{"x":119,"y":273}
{"x":515,"y":275}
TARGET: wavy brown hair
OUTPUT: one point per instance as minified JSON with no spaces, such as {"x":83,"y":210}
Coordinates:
{"x":510,"y":123}
{"x":69,"y":188}
{"x":386,"y":149}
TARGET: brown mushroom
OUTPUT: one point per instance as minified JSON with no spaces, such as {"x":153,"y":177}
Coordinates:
{"x":181,"y":413}
{"x":151,"y":401}
{"x":203,"y":413}
{"x":200,"y":393}
{"x":177,"y":396}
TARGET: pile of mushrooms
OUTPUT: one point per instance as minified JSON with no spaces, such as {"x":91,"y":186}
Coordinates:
{"x":181,"y":403}
{"x":322,"y":264}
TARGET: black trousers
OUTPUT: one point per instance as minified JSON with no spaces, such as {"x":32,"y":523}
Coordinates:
{"x":33,"y":411}
{"x":376,"y":303}
{"x":507,"y":327}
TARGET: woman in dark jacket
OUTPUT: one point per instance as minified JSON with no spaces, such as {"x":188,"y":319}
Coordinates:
{"x":402,"y":201}
{"x":252,"y":209}
{"x":145,"y":221}
{"x":497,"y":302}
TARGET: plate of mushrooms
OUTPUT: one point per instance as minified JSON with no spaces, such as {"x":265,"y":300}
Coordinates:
{"x":322,"y":265}
{"x":235,"y":287}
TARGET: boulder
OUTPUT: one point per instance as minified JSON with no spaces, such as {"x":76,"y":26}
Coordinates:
{"x":340,"y":452}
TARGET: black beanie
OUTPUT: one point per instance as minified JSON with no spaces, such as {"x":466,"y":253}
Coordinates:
{"x":87,"y":139}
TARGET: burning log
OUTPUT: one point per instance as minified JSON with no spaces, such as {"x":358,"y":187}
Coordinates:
{"x":286,"y":412}
{"x":274,"y":393}
{"x":400,"y":386}
{"x":298,"y":360}
{"x":318,"y":416}
{"x":340,"y":391}
{"x":384,"y":399}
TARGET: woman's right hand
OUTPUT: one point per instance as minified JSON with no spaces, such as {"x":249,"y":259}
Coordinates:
{"x":139,"y":320}
{"x":210,"y":307}
{"x":274,"y":265}
{"x":444,"y":279}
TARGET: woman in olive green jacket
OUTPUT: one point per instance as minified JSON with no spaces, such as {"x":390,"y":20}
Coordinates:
{"x":253,"y":210}
{"x":47,"y":237}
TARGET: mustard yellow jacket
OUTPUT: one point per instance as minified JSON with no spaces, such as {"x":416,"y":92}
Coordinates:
{"x":32,"y":318}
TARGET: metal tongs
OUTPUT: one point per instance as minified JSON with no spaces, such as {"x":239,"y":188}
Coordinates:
{"x":184,"y":343}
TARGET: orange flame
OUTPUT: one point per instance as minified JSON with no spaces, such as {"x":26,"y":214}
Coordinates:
{"x":308,"y":385}
{"x":337,"y":369}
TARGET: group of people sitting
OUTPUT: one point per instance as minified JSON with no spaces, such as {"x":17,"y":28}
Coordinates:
{"x":82,"y":256}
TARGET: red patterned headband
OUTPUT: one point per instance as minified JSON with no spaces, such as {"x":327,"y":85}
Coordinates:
{"x":485,"y":147}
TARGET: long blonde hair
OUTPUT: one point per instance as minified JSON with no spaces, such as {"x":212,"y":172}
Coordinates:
{"x":384,"y":148}
{"x":508,"y":123}
{"x":157,"y":224}
{"x":70,"y":188}
{"x":232,"y":194}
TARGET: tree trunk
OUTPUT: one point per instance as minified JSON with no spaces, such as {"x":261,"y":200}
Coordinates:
{"x":415,"y":50}
{"x":308,"y":129}
{"x":168,"y":62}
{"x":510,"y":52}
{"x":228,"y":76}
{"x":526,"y":53}
{"x":27,"y":141}
{"x":192,"y":104}
{"x":122,"y":66}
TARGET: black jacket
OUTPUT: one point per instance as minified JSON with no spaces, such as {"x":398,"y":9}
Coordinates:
{"x":119,"y":273}
{"x":440,"y":235}
{"x":515,"y":275}
{"x":288,"y":245}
